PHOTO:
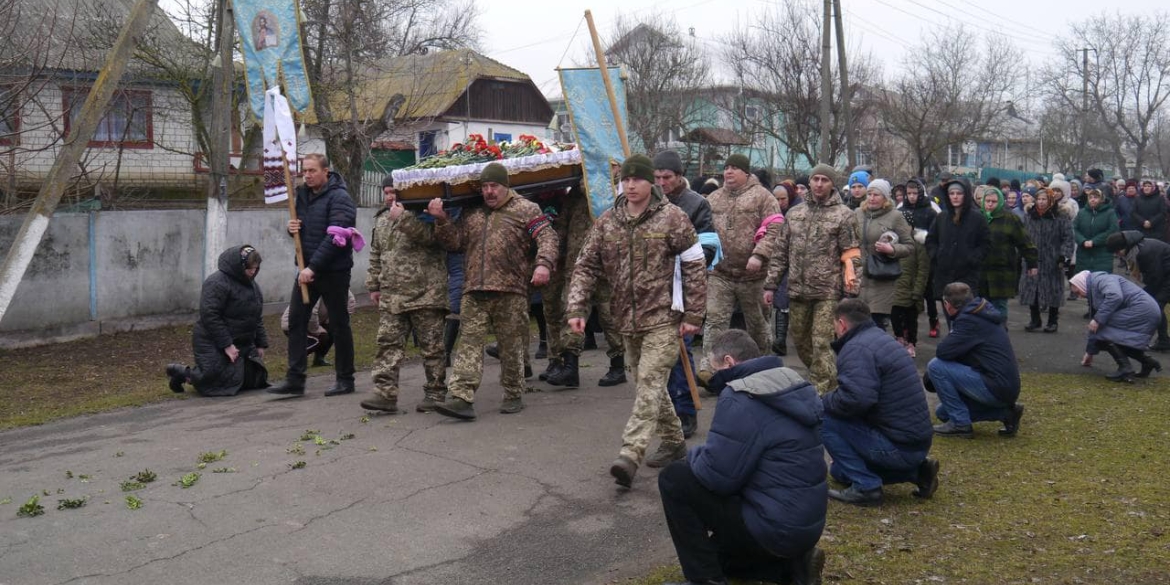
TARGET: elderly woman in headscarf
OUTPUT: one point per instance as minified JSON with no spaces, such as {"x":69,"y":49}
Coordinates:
{"x":1053,"y":236}
{"x":229,"y":338}
{"x":1009,"y":244}
{"x":1124,"y":317}
{"x":885,"y":238}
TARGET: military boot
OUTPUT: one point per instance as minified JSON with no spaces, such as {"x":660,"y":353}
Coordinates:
{"x":568,"y":376}
{"x":554,"y":364}
{"x":616,"y":374}
{"x":429,"y":402}
{"x":456,"y":408}
{"x":379,"y":402}
{"x":511,"y":405}
{"x":623,"y":470}
{"x":667,"y":453}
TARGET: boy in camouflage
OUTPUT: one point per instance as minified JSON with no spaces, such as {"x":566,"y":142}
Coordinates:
{"x":407,"y":280}
{"x":637,"y":245}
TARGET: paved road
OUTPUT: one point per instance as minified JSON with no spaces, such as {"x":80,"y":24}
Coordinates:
{"x":411,"y":499}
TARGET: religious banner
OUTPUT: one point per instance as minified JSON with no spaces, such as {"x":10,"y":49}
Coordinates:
{"x":270,"y":34}
{"x":595,"y":130}
{"x":280,"y":146}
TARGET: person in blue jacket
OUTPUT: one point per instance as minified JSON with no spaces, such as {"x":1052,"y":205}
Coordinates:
{"x":877,"y":425}
{"x":974,"y":370}
{"x":750,"y":503}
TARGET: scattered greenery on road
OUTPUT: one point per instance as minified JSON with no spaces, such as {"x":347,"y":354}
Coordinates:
{"x":1078,"y":497}
{"x":31,"y":508}
{"x":133,"y":502}
{"x":188,"y":480}
{"x":69,"y":504}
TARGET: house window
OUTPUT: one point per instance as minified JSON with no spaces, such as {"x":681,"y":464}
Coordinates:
{"x":426,"y":144}
{"x":955,"y":156}
{"x":9,"y":117}
{"x":752,"y":113}
{"x":128,"y":121}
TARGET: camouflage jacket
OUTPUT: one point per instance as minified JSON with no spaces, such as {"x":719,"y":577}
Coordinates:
{"x":407,"y":265}
{"x":572,"y":225}
{"x":738,"y":214}
{"x":637,"y":255}
{"x":495,"y":244}
{"x":808,"y":248}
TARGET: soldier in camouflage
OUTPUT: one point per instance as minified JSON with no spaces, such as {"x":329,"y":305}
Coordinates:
{"x":495,"y":240}
{"x":572,"y":225}
{"x":407,"y":280}
{"x":818,"y":247}
{"x":637,"y":244}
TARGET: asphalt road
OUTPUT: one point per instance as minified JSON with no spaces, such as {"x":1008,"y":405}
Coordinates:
{"x":410,"y":499}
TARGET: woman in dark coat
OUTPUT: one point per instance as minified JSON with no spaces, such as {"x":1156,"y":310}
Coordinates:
{"x":958,"y":240}
{"x":1149,"y":212}
{"x":1094,"y":223}
{"x":919,"y":211}
{"x":1009,"y":244}
{"x":1124,"y":317}
{"x":1053,"y":237}
{"x":229,"y":338}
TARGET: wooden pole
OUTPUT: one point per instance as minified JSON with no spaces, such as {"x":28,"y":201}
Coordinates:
{"x":846,"y":94}
{"x":621,"y":128}
{"x":826,"y":83}
{"x":613,"y":104}
{"x":35,"y":225}
{"x":292,"y":214}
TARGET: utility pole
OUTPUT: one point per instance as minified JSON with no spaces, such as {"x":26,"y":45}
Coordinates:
{"x":1084,"y":105}
{"x":223,"y":80}
{"x":846,"y":95}
{"x":65,"y":166}
{"x":826,"y":83}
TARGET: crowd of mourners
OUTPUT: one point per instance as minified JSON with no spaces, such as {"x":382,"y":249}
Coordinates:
{"x":841,"y":264}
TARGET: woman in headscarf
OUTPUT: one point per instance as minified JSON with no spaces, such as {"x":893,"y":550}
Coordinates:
{"x":1124,"y":317}
{"x":229,"y":338}
{"x":886,"y":237}
{"x":1009,"y":244}
{"x":1053,"y":237}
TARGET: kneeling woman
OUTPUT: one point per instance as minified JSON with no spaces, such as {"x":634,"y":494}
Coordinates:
{"x":1124,"y":318}
{"x":229,"y":337}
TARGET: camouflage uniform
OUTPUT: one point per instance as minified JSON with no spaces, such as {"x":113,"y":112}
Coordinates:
{"x":409,"y":269}
{"x":808,"y":247}
{"x":496,"y":275}
{"x":737,"y":214}
{"x":572,"y":226}
{"x":638,"y":255}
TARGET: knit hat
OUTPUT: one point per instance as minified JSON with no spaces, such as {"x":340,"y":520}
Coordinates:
{"x":1132,"y":183}
{"x":388,"y":181}
{"x":1115,"y":242}
{"x":1097,"y":175}
{"x":861,"y":177}
{"x":640,"y":166}
{"x":494,"y":173}
{"x":802,"y":180}
{"x":1058,"y":177}
{"x":1015,"y":184}
{"x":668,"y":160}
{"x":740,"y":162}
{"x":994,"y":182}
{"x":1080,"y":279}
{"x":827,"y":171}
{"x":1061,"y":185}
{"x":881,"y":186}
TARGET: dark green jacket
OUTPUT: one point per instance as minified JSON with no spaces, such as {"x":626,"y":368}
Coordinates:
{"x":1095,"y":225}
{"x":1009,"y":242}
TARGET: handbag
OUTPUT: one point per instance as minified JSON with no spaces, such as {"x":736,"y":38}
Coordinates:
{"x":878,"y":266}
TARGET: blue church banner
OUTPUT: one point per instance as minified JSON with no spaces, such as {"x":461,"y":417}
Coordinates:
{"x":595,"y":130}
{"x":270,"y":33}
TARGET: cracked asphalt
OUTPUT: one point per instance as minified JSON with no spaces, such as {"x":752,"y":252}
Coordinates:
{"x":411,"y":499}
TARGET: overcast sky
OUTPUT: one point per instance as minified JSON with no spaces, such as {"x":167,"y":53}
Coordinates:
{"x":534,"y":35}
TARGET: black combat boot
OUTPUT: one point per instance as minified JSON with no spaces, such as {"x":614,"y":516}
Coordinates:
{"x":780,"y":344}
{"x":554,"y":364}
{"x":616,"y":374}
{"x":568,"y":376}
{"x":1035,"y":323}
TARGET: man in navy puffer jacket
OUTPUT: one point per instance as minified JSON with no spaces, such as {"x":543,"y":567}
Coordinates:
{"x":750,"y":503}
{"x":877,"y":425}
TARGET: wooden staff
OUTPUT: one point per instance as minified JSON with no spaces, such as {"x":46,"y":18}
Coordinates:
{"x":292,"y":214}
{"x":621,"y":129}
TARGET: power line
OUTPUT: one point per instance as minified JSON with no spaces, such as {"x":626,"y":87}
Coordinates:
{"x":960,"y":21}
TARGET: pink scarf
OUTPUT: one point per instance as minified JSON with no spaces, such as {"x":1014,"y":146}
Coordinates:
{"x":763,"y":229}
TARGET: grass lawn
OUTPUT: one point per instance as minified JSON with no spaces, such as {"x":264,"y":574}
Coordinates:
{"x":1078,"y":497}
{"x":41,"y":384}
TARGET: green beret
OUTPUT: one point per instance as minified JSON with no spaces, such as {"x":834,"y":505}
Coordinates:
{"x":638,"y":165}
{"x":494,"y":173}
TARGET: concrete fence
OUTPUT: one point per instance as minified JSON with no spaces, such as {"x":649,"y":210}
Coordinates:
{"x":109,"y":271}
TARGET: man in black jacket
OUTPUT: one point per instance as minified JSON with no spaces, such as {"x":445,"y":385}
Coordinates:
{"x":877,"y":425}
{"x":1150,"y":259}
{"x":322,"y":202}
{"x":668,"y":175}
{"x":974,"y":370}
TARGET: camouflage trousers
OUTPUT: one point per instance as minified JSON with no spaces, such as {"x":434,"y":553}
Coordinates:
{"x":507,"y":315}
{"x":393,"y":331}
{"x":722,"y":297}
{"x":811,"y":325}
{"x":650,"y":356}
{"x":561,"y":339}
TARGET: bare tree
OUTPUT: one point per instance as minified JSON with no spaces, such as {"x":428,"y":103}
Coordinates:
{"x":779,"y":56}
{"x":953,"y":88}
{"x":664,"y":68}
{"x":1128,"y":79}
{"x":1161,"y":139}
{"x":344,"y":42}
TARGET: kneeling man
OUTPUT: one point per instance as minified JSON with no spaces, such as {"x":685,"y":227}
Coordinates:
{"x":877,"y":425}
{"x":750,"y":503}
